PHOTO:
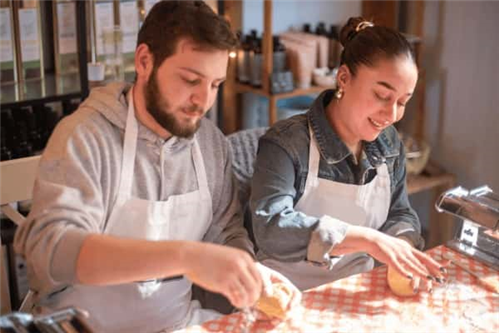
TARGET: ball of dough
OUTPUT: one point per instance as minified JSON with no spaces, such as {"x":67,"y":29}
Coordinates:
{"x":277,"y":303}
{"x":399,"y":284}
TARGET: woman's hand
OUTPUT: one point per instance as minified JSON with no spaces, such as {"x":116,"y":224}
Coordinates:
{"x":225,"y":270}
{"x":394,"y":252}
{"x":417,"y":283}
{"x":399,"y":254}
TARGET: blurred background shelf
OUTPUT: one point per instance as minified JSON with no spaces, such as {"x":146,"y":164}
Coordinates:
{"x":243,"y":88}
{"x":233,"y":89}
{"x":432,"y":177}
{"x":439,"y":227}
{"x":49,"y":89}
{"x":273,"y":112}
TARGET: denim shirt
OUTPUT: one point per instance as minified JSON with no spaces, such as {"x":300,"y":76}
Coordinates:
{"x":281,"y":169}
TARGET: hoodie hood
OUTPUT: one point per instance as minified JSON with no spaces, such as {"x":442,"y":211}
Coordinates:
{"x":112,"y":102}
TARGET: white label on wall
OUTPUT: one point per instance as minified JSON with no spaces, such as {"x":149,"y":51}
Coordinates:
{"x":148,"y":5}
{"x":129,"y":19}
{"x":5,"y":36}
{"x":104,"y":19}
{"x":66,"y":26}
{"x":28,"y":28}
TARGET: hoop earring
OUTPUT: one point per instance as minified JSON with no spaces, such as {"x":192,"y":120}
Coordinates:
{"x":339,"y":93}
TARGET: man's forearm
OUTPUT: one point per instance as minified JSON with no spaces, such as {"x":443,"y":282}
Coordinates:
{"x":105,"y":260}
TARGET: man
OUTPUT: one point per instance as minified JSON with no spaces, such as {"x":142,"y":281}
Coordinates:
{"x":135,"y":188}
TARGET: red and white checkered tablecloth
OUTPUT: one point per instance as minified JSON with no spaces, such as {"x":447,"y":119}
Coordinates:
{"x":364,"y":303}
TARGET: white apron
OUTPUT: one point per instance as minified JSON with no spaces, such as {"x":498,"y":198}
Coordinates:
{"x":362,"y":205}
{"x":148,"y":306}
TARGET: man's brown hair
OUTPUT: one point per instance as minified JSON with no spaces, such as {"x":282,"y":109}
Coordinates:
{"x":169,"y":21}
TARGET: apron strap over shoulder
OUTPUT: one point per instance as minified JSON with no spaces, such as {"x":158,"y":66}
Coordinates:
{"x":314,"y":156}
{"x":129,"y":149}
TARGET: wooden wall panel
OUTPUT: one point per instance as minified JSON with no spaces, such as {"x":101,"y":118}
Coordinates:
{"x":381,"y":12}
{"x":231,"y":106}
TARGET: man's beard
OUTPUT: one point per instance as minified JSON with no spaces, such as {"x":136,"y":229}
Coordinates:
{"x":159,"y":108}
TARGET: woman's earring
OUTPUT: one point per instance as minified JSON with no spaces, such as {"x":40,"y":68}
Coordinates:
{"x":339,"y":93}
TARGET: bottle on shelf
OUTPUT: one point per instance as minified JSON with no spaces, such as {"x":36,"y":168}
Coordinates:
{"x":281,"y":79}
{"x":253,"y":34}
{"x":321,"y":29}
{"x":279,"y":55}
{"x":256,"y":62}
{"x":243,"y":59}
{"x":307,"y":28}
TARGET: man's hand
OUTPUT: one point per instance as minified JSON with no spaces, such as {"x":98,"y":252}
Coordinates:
{"x":270,"y":277}
{"x":225,"y":270}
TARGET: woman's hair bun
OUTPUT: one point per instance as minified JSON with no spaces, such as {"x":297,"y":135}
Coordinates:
{"x":364,"y":43}
{"x":352,"y":28}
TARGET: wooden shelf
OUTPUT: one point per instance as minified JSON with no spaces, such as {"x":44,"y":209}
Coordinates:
{"x":441,"y":227}
{"x":243,"y":88}
{"x":432,"y":177}
{"x":233,"y":87}
{"x":49,"y":89}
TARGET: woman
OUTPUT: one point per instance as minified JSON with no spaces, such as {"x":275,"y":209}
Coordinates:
{"x":329,"y":187}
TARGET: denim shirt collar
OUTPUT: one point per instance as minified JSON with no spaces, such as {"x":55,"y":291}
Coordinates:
{"x":332,"y":148}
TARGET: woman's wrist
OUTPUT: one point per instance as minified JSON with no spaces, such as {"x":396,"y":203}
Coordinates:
{"x":357,"y":239}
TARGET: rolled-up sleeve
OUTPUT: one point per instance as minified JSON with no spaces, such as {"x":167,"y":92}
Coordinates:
{"x":281,"y":232}
{"x":402,"y":219}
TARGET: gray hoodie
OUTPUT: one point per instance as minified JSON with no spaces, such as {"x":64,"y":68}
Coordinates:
{"x":78,"y":178}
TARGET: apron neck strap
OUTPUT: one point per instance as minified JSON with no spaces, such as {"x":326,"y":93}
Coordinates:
{"x":314,"y":156}
{"x":199,"y":165}
{"x":382,"y":170}
{"x":129,"y":148}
